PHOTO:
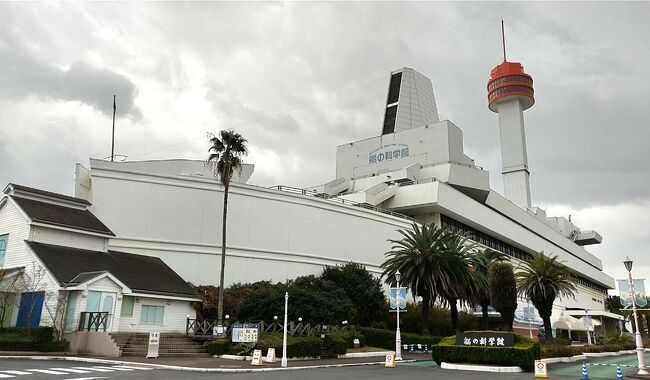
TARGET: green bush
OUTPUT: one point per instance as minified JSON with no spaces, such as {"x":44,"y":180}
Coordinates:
{"x":386,"y":338}
{"x":297,"y":346}
{"x":218,"y":346}
{"x":559,"y":350}
{"x":34,"y":346}
{"x":334,"y":344}
{"x":33,"y":334}
{"x":523,"y":354}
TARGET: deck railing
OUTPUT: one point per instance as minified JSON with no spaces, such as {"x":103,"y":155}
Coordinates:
{"x":93,"y":321}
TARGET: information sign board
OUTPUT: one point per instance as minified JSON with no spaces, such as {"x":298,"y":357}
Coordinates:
{"x":540,"y":369}
{"x":154,"y":344}
{"x":488,"y":339}
{"x":245,"y":332}
{"x":257,"y":357}
{"x":390,"y":360}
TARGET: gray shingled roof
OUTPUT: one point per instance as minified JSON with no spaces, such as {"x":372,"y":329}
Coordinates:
{"x":48,"y":193}
{"x":61,"y":216}
{"x":142,"y":274}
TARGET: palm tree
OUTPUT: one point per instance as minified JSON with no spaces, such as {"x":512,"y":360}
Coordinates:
{"x":484,"y":260}
{"x":542,"y":279}
{"x":467,"y":281}
{"x":418,"y":257}
{"x":226,"y":152}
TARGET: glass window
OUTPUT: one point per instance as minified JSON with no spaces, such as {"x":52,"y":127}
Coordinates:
{"x":152,"y":315}
{"x":3,"y":248}
{"x":127,"y":306}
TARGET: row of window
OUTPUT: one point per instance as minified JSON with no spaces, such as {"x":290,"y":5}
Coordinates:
{"x":150,"y":315}
{"x":508,"y":79}
{"x":510,"y":89}
{"x":498,"y":245}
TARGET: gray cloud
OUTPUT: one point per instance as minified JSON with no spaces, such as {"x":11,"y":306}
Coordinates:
{"x":25,"y":76}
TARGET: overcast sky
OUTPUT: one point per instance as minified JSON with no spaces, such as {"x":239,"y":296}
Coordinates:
{"x":298,"y":79}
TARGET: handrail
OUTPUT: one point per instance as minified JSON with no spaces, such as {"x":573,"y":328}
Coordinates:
{"x":93,"y":321}
{"x":295,"y":190}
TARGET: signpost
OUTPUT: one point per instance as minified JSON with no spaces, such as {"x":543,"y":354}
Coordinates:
{"x":390,"y":360}
{"x":154,"y":344}
{"x":270,"y":355}
{"x":257,"y":357}
{"x":540,"y":369}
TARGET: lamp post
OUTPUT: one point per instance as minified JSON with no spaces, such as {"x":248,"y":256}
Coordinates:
{"x":398,"y":338}
{"x":588,"y":324}
{"x":639,"y":342}
{"x":284,"y":336}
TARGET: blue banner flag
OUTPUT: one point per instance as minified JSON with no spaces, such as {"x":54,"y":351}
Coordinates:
{"x":626,"y":294}
{"x":402,"y":298}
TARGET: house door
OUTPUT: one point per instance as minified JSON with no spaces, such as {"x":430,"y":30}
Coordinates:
{"x":104,"y":302}
{"x":29,"y":312}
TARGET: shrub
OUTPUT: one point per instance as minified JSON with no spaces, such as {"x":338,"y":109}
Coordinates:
{"x":334,"y":344}
{"x":558,"y":350}
{"x":523,"y":354}
{"x":218,"y":346}
{"x":297,"y":346}
{"x":386,"y":338}
{"x":34,"y":346}
{"x":32,"y":334}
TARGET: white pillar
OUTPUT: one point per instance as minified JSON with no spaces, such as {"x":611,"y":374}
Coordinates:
{"x":514,"y":156}
{"x":398,"y":338}
{"x":284,"y":337}
{"x":640,"y":351}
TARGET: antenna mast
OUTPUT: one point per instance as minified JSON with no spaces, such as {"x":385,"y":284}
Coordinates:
{"x":113,"y":138}
{"x":503,"y":39}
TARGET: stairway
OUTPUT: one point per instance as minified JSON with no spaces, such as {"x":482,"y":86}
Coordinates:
{"x":178,"y":345}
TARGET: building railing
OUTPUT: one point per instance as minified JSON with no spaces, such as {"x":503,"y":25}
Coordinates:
{"x":93,"y":321}
{"x":204,"y":329}
{"x":294,"y":190}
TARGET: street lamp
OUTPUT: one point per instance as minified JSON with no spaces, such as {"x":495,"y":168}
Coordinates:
{"x":639,"y":342}
{"x":284,"y":334}
{"x":398,"y":338}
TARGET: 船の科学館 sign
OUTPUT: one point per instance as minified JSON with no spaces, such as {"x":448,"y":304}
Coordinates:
{"x":485,"y":339}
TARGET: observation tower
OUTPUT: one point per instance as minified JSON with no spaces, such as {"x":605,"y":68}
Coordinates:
{"x":510,"y":92}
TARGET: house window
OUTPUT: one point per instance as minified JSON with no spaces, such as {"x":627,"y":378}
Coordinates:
{"x":152,"y":315}
{"x":3,"y":248}
{"x":127,"y":306}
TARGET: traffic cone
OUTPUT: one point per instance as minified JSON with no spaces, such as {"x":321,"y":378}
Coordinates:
{"x":585,"y":375}
{"x":619,"y":373}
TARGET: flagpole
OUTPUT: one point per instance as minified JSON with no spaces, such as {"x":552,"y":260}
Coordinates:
{"x":113,"y":137}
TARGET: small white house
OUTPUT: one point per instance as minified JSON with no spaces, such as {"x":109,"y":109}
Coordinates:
{"x":56,"y":270}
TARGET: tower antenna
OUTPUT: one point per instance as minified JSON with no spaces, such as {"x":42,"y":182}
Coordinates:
{"x":113,"y":137}
{"x":503,"y":39}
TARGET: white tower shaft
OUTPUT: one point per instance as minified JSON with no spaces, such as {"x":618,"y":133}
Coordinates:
{"x":514,"y":158}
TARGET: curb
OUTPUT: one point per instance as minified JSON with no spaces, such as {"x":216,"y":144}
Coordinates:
{"x":481,"y":368}
{"x":190,"y":369}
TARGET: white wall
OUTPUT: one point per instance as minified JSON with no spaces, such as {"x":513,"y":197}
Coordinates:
{"x":271,"y":234}
{"x":174,"y":317}
{"x":47,"y":235}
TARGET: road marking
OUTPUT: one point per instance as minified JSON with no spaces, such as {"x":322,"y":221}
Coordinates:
{"x":134,"y":367}
{"x":70,"y":370}
{"x":94,"y":369}
{"x":48,"y":371}
{"x":14,"y":372}
{"x":6,"y":376}
{"x":118,"y":368}
{"x":87,"y":378}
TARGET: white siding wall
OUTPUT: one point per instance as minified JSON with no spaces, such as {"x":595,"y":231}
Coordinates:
{"x":14,"y":222}
{"x":68,"y":239}
{"x":174,"y":317}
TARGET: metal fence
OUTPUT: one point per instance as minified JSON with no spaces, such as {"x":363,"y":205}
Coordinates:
{"x":93,"y":321}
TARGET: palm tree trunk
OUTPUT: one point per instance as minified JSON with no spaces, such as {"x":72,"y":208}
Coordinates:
{"x":484,"y":316}
{"x":548,"y":333}
{"x":426,"y":301}
{"x":223,"y":254}
{"x":454,"y":313}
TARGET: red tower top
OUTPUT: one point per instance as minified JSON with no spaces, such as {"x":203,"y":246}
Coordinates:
{"x":508,"y":81}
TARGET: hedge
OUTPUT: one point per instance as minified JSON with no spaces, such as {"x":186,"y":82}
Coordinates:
{"x":558,"y":350}
{"x":31,"y":334}
{"x":386,"y":338}
{"x":34,"y":346}
{"x":334,"y":344}
{"x":523,"y":354}
{"x":296,"y":346}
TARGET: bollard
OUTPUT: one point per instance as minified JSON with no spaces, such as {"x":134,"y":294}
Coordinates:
{"x":619,"y":373}
{"x":412,"y":349}
{"x":426,"y":349}
{"x":585,"y":375}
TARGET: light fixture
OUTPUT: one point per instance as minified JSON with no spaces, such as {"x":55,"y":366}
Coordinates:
{"x":398,"y":276}
{"x":628,"y":264}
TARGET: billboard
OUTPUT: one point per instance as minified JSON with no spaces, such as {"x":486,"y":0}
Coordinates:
{"x":626,"y":294}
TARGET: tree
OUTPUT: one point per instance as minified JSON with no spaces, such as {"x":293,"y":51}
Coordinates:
{"x":226,"y":152}
{"x":541,"y":279}
{"x":503,"y":292}
{"x":484,"y":260}
{"x":431,"y":264}
{"x":9,"y":289}
{"x":363,"y":290}
{"x":465,"y":282}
